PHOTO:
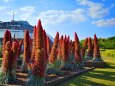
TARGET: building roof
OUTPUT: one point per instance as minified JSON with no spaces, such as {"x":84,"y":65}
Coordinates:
{"x":16,"y":25}
{"x":17,"y":28}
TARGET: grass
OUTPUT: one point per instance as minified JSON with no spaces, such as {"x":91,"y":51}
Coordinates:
{"x":97,"y":77}
{"x":108,"y":52}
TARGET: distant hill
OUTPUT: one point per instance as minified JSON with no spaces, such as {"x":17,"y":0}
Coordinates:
{"x":105,"y":43}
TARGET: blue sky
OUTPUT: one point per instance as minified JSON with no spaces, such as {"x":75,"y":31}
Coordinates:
{"x":86,"y":17}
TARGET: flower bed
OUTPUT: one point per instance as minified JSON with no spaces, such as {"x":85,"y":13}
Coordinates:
{"x":51,"y":80}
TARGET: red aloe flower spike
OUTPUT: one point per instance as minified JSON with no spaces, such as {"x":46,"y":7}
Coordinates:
{"x":84,"y":47}
{"x":96,"y":47}
{"x":34,"y":44}
{"x":48,"y":46}
{"x":90,"y":48}
{"x":53,"y":54}
{"x":45,"y":46}
{"x":7,"y":37}
{"x":20,"y":47}
{"x":77,"y":49}
{"x":6,"y":62}
{"x":26,"y":47}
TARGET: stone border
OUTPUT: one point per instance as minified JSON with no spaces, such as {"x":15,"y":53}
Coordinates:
{"x":60,"y":80}
{"x":97,"y":64}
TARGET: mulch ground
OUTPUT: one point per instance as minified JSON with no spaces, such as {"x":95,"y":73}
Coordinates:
{"x":22,"y":77}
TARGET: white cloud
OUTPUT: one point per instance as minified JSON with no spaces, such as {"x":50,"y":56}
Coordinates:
{"x":26,"y":12}
{"x":11,"y":12}
{"x":105,"y":22}
{"x":58,"y":16}
{"x":2,"y":8}
{"x":7,"y":0}
{"x":95,"y":10}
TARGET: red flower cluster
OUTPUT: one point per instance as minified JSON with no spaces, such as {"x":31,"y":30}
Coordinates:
{"x":15,"y":47}
{"x":90,"y":48}
{"x":45,"y":46}
{"x":34,"y":44}
{"x":20,"y":47}
{"x":59,"y":56}
{"x":96,"y":47}
{"x":77,"y":49}
{"x":53,"y":53}
{"x":84,"y":47}
{"x":10,"y":52}
{"x":27,"y":52}
{"x":6,"y":62}
{"x":39,"y":51}
{"x":65,"y":49}
{"x":7,"y":37}
{"x":48,"y":46}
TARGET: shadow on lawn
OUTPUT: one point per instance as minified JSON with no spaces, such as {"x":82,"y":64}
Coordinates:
{"x":82,"y":80}
{"x":112,"y":66}
{"x":105,"y":75}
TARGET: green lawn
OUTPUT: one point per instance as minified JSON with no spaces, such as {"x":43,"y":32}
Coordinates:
{"x":97,"y":77}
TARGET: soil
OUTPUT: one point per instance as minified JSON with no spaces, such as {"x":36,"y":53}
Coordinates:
{"x":22,"y":77}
